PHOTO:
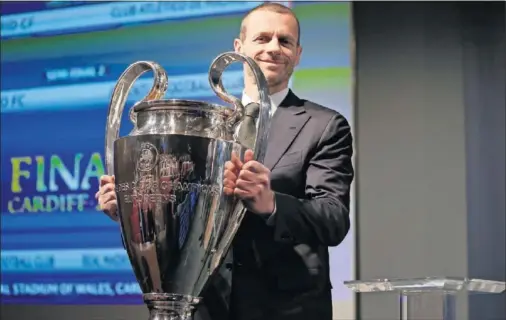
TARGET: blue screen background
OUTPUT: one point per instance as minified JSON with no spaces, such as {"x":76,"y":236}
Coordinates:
{"x":59,"y":64}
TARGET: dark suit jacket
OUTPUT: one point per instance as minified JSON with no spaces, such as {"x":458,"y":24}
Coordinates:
{"x":281,"y":271}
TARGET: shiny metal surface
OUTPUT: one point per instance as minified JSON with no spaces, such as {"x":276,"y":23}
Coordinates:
{"x":427,"y":284}
{"x":264,"y":117}
{"x":186,"y":117}
{"x":119,"y":98}
{"x":172,"y":210}
{"x":428,"y":297}
{"x":176,"y":223}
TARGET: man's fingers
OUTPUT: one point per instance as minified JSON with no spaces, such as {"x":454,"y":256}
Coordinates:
{"x":230,"y":168}
{"x":242,"y":194}
{"x":107,"y":188}
{"x":230,"y":175}
{"x":248,"y":155}
{"x":244,"y":185}
{"x":228,"y":191}
{"x":235,"y":160}
{"x":110,"y":208}
{"x":107,"y":197}
{"x":228,"y":183}
{"x":247,"y":175}
{"x":255,"y":166}
{"x":106,"y":179}
{"x":229,"y":165}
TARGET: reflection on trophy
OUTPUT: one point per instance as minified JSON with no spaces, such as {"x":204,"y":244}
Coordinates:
{"x":176,"y":223}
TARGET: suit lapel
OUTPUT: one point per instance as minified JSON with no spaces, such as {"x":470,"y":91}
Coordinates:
{"x":286,"y":124}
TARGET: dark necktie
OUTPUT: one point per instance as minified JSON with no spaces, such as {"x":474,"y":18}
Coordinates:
{"x":248,"y":129}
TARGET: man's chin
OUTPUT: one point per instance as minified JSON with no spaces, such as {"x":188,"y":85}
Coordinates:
{"x":271,"y":76}
{"x":274,"y":84}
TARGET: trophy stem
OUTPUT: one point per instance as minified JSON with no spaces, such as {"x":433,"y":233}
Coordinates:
{"x":164,"y":306}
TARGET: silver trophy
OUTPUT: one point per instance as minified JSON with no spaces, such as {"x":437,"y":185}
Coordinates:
{"x":176,"y":223}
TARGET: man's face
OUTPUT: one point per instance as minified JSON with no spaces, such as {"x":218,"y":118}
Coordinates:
{"x":271,"y":40}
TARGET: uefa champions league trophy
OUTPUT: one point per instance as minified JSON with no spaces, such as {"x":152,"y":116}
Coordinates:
{"x":177,"y":224}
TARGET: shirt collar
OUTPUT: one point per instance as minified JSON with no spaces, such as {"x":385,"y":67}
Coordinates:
{"x":276,"y":98}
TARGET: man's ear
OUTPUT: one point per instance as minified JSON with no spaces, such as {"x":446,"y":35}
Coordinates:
{"x":237,"y":45}
{"x":299,"y":53}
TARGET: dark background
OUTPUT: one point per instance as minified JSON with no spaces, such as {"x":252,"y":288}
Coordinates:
{"x":430,"y":141}
{"x":430,"y":129}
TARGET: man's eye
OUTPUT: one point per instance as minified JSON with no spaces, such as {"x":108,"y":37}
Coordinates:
{"x":285,"y":41}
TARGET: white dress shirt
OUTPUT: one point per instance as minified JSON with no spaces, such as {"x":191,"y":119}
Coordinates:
{"x":276,"y":100}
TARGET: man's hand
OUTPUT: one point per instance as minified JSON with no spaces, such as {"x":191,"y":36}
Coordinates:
{"x":249,"y":181}
{"x":106,"y":197}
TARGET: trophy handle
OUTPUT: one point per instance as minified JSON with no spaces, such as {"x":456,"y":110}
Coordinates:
{"x":119,"y":98}
{"x":216,"y":71}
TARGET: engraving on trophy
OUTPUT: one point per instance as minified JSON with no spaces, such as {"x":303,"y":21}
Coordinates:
{"x":176,"y":167}
{"x":174,"y":173}
{"x":149,"y":157}
{"x":168,"y":166}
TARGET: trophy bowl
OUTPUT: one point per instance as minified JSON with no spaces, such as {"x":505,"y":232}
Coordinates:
{"x":176,"y":223}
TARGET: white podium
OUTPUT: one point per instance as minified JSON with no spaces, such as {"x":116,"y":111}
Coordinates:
{"x":429,"y":298}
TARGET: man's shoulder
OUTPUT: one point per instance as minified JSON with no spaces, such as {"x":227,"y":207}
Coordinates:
{"x":322,"y":113}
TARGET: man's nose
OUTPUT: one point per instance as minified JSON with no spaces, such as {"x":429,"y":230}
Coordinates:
{"x":273,"y":46}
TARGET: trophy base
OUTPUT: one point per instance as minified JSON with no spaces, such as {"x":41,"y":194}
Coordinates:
{"x":168,"y":306}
